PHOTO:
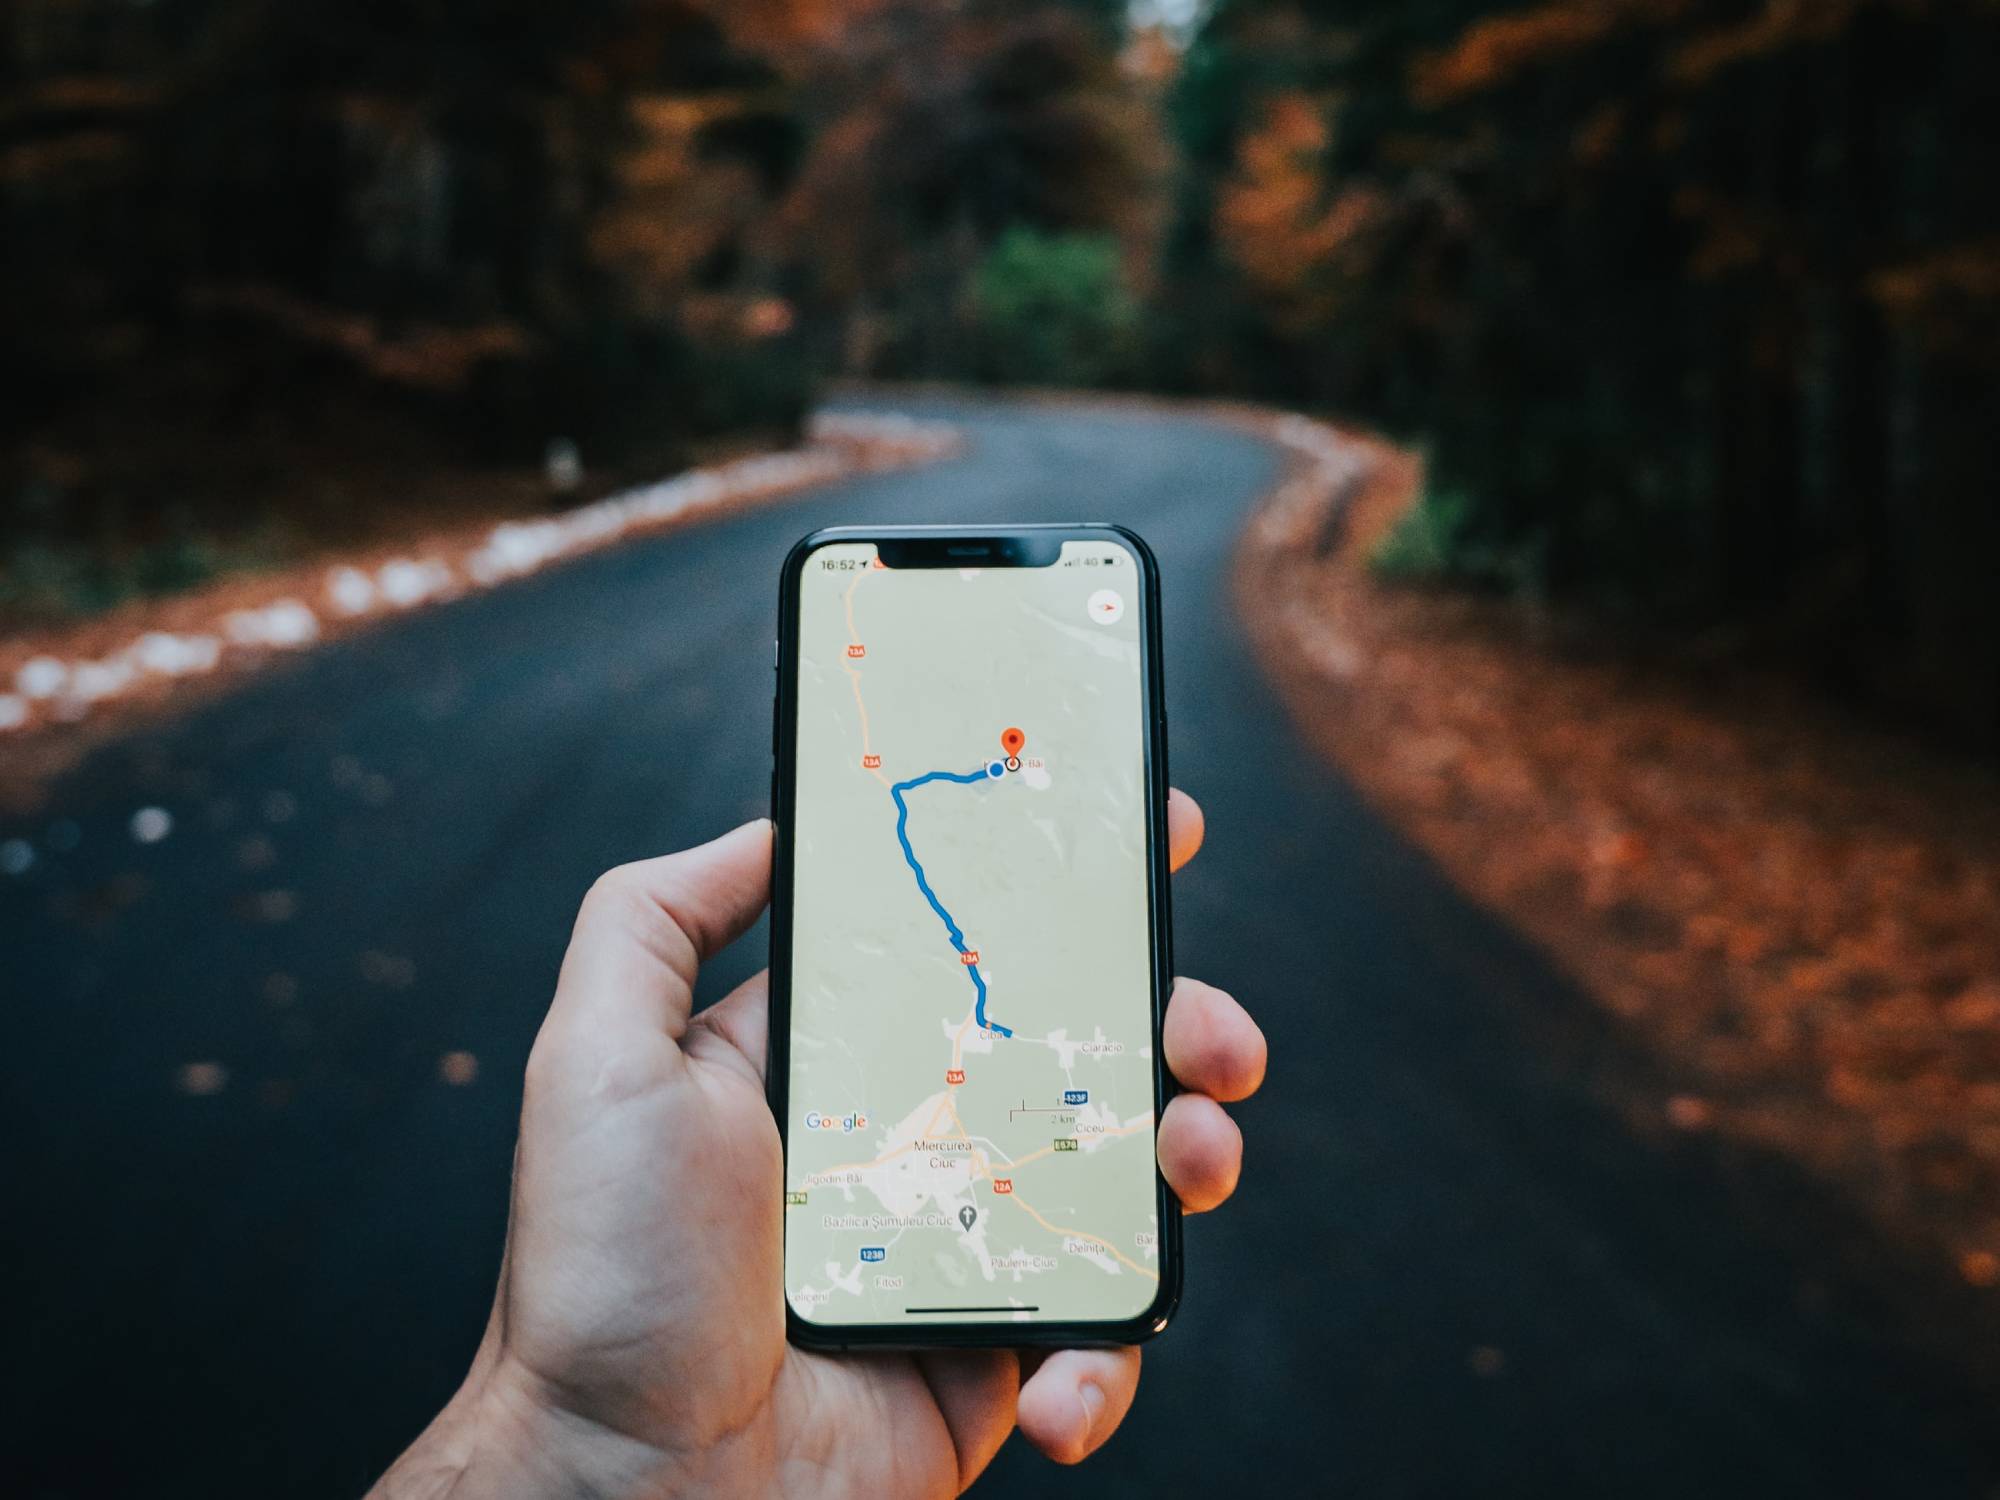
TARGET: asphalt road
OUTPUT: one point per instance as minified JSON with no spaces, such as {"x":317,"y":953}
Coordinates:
{"x":1450,"y":1269}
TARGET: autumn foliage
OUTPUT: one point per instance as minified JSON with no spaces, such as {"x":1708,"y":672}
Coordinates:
{"x":250,"y":241}
{"x":1691,"y":301}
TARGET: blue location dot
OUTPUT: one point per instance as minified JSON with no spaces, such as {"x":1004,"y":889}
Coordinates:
{"x":996,"y":769}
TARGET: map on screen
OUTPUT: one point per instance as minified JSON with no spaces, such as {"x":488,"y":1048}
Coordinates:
{"x":970,"y":1111}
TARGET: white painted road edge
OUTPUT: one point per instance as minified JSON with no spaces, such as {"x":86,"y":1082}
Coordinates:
{"x":50,"y":689}
{"x":1334,"y":463}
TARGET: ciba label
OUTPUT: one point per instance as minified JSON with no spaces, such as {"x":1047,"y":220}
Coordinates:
{"x":845,"y":1124}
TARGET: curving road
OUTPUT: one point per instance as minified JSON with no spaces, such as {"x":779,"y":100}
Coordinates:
{"x":1449,"y":1270}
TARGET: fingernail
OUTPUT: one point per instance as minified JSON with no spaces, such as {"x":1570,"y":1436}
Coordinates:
{"x":1093,"y":1405}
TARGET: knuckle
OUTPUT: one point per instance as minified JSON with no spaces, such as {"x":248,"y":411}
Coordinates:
{"x":640,"y":901}
{"x":615,"y":891}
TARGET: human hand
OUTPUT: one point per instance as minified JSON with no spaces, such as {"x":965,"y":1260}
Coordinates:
{"x":637,"y":1341}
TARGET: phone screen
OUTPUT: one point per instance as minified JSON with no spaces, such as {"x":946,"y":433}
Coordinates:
{"x":970,"y":1100}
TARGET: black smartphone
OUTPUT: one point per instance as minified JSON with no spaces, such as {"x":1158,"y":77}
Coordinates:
{"x":970,"y":945}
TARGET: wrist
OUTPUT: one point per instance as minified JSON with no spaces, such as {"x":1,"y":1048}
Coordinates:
{"x":499,"y":1438}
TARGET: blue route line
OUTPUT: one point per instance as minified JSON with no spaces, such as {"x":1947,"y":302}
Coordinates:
{"x":967,"y":778}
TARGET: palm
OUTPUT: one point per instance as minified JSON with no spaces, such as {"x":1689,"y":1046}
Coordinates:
{"x":664,"y":1165}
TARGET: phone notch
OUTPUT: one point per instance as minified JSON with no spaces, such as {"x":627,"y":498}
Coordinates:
{"x":1021,"y":549}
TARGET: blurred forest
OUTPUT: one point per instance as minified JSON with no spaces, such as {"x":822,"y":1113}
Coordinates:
{"x":1690,"y":303}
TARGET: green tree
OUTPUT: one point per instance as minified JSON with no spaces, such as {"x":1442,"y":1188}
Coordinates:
{"x":941,"y":127}
{"x":1054,"y":310}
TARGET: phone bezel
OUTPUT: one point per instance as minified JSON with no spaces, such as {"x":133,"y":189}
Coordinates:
{"x":1028,"y":540}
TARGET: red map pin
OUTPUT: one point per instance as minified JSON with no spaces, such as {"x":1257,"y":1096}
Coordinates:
{"x":1011,"y":740}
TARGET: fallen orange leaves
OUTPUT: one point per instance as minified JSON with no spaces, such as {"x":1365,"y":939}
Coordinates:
{"x":1801,"y":912}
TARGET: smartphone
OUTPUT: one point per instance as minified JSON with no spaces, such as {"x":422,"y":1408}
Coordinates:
{"x":970,"y":945}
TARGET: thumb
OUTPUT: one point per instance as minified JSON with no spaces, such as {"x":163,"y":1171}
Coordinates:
{"x":645,"y":928}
